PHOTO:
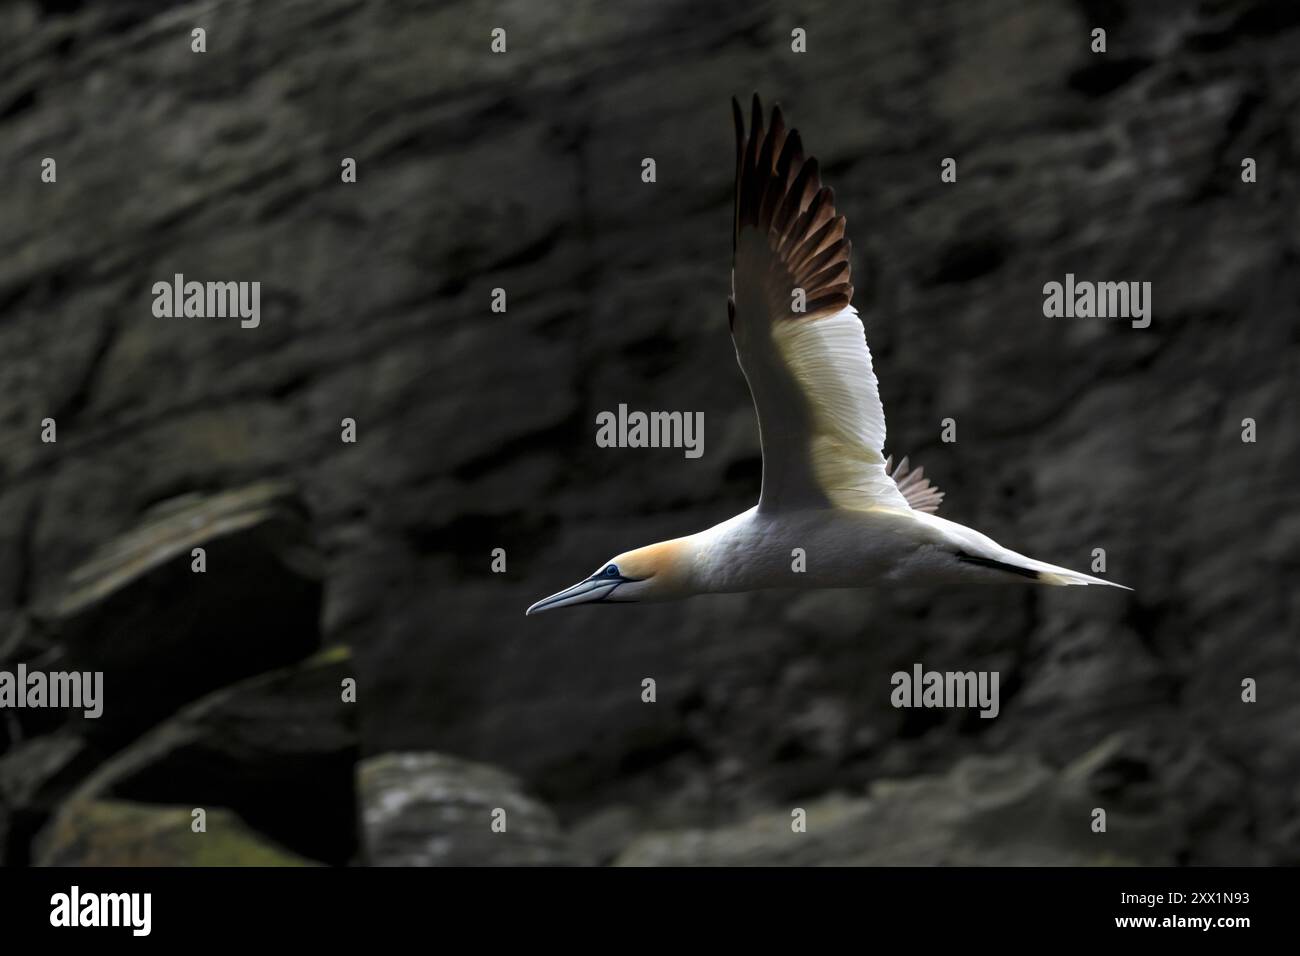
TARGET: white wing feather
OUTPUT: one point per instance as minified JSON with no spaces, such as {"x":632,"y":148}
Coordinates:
{"x":829,"y":359}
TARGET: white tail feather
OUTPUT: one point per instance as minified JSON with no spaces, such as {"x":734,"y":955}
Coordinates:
{"x":1063,"y":577}
{"x":974,"y":543}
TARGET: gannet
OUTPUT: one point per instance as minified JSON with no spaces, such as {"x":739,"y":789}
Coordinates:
{"x":827,"y":486}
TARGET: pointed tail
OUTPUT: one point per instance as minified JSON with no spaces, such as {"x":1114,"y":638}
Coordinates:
{"x":979,"y":549}
{"x":1014,"y":563}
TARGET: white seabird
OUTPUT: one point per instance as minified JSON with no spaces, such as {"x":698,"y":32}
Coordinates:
{"x":828,"y":488}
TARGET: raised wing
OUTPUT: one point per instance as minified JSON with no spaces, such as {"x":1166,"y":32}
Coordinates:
{"x":800,"y":343}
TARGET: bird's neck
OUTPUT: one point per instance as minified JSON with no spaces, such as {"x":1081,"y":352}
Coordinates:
{"x":672,"y":565}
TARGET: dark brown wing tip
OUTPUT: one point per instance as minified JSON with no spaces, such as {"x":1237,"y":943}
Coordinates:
{"x":779,"y":192}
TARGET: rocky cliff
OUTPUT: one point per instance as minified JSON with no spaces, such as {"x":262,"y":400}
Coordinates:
{"x":522,"y":171}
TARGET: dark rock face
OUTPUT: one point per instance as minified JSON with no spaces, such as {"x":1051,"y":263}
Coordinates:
{"x":421,"y":809}
{"x":161,"y":633}
{"x":278,"y":749}
{"x":35,"y":776}
{"x":126,"y":834}
{"x":987,"y":811}
{"x":475,"y":429}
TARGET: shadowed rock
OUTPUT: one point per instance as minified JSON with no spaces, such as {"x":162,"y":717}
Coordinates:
{"x":278,"y":749}
{"x":423,"y":809}
{"x":999,"y":811}
{"x":164,"y":634}
{"x":110,"y":833}
{"x":34,"y":776}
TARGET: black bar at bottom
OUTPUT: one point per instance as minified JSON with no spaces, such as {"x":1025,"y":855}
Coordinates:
{"x":333,"y":906}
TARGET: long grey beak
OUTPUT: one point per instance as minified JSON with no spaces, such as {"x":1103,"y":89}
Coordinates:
{"x":581,"y":593}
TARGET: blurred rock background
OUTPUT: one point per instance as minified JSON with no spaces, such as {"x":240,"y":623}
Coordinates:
{"x":476,"y":431}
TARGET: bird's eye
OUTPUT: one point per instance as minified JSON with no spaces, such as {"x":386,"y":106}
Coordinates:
{"x":611,"y":571}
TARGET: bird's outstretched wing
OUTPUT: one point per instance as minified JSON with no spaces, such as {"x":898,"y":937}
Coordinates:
{"x":800,"y":343}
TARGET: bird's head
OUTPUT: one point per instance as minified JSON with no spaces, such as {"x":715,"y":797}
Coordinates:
{"x":653,"y":573}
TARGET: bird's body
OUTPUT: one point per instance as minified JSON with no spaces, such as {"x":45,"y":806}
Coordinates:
{"x":830,"y":548}
{"x":833,"y":511}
